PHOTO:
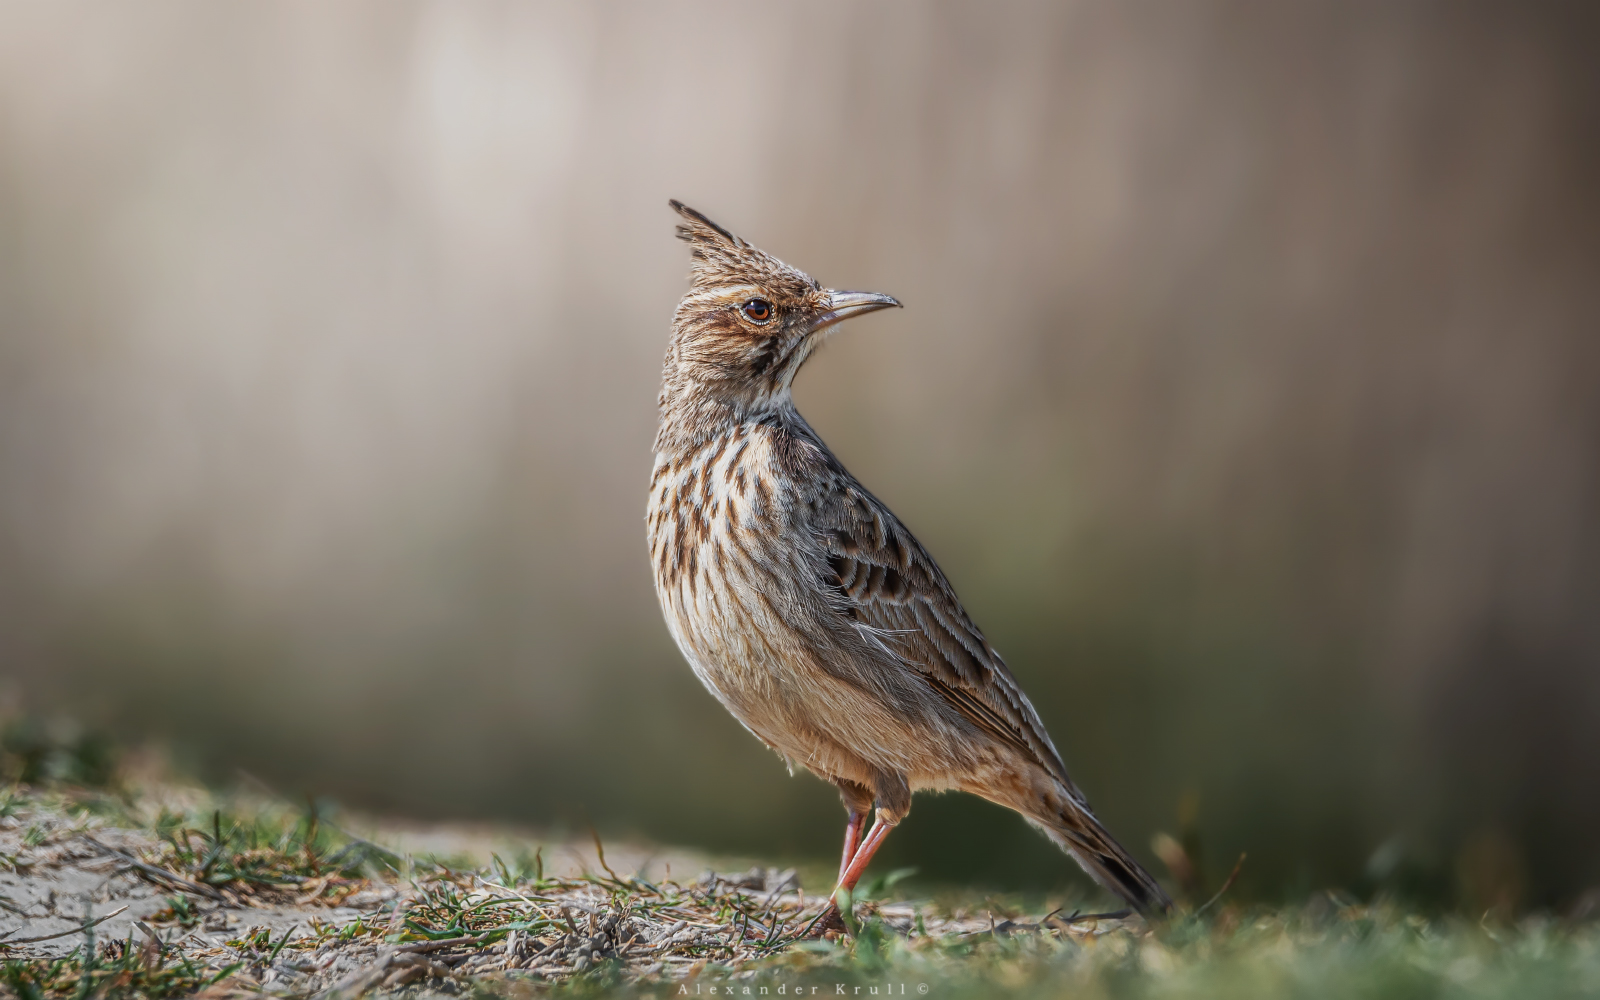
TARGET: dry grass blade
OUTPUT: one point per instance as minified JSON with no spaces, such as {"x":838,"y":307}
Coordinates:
{"x":157,"y":874}
{"x":9,"y":941}
{"x":1227,"y":884}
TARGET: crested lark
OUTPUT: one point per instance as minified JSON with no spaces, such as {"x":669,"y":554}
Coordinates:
{"x":805,"y":606}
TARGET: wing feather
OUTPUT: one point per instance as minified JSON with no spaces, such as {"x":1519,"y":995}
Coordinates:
{"x":889,"y":584}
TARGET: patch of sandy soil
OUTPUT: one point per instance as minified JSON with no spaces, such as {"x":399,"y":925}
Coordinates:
{"x":323,"y":929}
{"x":56,"y":872}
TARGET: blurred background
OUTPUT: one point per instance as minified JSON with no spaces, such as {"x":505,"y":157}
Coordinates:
{"x":1248,"y":390}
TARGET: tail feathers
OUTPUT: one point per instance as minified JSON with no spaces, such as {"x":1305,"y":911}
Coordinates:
{"x":1107,"y":862}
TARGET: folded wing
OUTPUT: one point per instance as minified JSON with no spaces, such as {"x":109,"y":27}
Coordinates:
{"x":895,"y":592}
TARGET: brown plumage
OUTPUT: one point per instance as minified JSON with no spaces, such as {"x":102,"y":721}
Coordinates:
{"x":801,"y":601}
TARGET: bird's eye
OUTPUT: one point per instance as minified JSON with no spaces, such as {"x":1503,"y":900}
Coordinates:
{"x":757,"y":310}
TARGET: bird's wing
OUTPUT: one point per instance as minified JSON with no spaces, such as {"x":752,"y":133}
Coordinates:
{"x":897,"y":596}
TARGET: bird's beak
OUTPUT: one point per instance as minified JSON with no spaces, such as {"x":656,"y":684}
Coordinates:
{"x":843,"y":305}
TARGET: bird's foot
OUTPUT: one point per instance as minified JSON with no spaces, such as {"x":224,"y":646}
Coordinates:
{"x":830,"y":925}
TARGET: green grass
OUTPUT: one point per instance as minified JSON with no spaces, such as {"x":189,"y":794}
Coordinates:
{"x":1365,"y":952}
{"x":270,"y":853}
{"x":121,"y":968}
{"x":1360,"y":953}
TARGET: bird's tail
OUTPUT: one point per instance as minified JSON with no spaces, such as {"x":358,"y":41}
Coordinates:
{"x":1078,"y":833}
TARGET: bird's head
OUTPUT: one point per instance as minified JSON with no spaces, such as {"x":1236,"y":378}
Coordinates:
{"x":749,"y":321}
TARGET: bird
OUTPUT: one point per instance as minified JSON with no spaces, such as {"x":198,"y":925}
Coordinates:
{"x":805,"y":606}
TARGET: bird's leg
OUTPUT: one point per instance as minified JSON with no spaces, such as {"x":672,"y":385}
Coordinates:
{"x":893,"y":799}
{"x":852,"y":838}
{"x":858,"y":864}
{"x":855,"y":863}
{"x":858,"y":801}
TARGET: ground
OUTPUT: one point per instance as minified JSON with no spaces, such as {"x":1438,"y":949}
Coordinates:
{"x":174,"y":891}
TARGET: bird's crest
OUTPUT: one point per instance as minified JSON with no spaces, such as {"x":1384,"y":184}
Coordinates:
{"x":723,"y":258}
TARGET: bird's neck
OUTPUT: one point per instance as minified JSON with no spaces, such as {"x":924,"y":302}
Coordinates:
{"x":692,"y":413}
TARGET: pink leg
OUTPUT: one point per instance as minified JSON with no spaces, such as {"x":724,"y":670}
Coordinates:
{"x":858,"y":864}
{"x":852,"y":840}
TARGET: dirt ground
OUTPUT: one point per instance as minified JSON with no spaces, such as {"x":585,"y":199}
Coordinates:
{"x":91,"y":895}
{"x":66,"y":876}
